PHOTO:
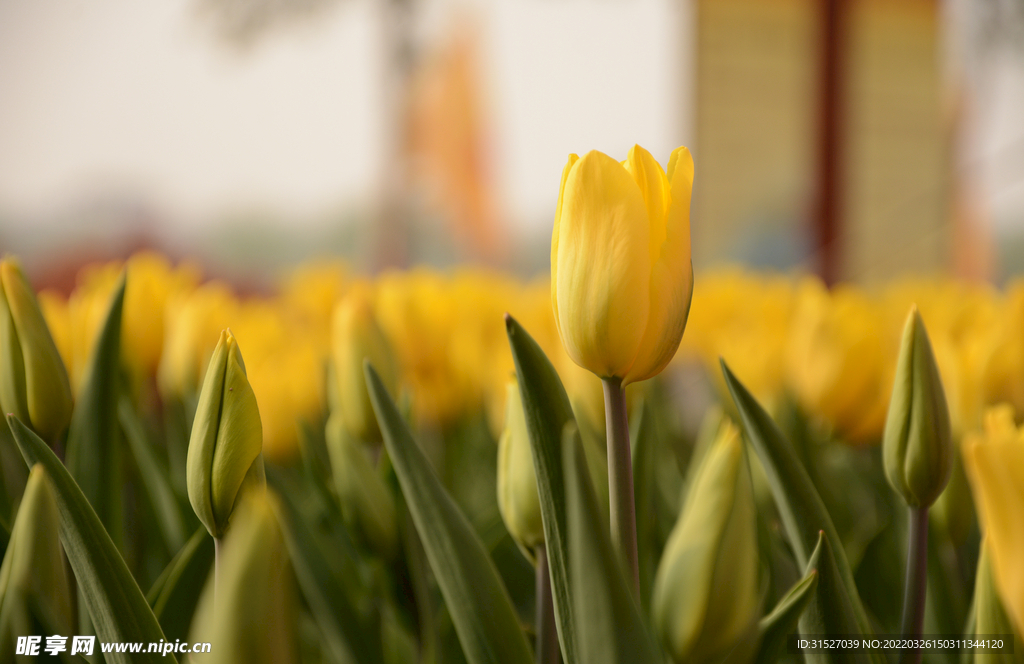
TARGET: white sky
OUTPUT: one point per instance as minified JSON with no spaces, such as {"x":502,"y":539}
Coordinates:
{"x":135,"y":97}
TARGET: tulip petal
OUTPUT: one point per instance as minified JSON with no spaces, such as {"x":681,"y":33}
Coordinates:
{"x":671,"y":285}
{"x":239,"y":437}
{"x":996,"y":470}
{"x":602,"y":283}
{"x":654,"y":185}
{"x":204,"y":438}
{"x":573,"y":158}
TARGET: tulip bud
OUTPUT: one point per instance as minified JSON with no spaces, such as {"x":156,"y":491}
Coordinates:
{"x":33,"y":583}
{"x":366,"y":504}
{"x":34,"y":383}
{"x":247,"y":610}
{"x":224,"y":459}
{"x":518,"y":500}
{"x":621,"y":277}
{"x":712,"y":547}
{"x":917,"y":445}
{"x":356,"y":336}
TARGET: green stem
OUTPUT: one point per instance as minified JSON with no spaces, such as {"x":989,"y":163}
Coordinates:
{"x":217,"y":542}
{"x":916,"y":587}
{"x":547,"y":636}
{"x":620,"y":480}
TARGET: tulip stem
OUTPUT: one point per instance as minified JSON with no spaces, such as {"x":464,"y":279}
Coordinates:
{"x":547,"y":636}
{"x":217,"y":541}
{"x":620,"y":480}
{"x":916,"y":583}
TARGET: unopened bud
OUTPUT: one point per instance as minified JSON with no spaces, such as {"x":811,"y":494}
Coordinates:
{"x":713,"y":546}
{"x":518,"y":500}
{"x":34,"y":383}
{"x":224,"y":452}
{"x":917,"y":445}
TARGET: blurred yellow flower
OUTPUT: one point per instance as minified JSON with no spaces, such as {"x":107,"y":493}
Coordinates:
{"x":837,"y":363}
{"x":994,"y":460}
{"x":621,"y":277}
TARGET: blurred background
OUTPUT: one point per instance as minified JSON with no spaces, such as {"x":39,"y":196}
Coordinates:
{"x":858,"y":139}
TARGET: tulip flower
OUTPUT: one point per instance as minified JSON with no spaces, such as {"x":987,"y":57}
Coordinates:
{"x":224,"y":459}
{"x":356,"y":336}
{"x":621,"y":277}
{"x":366,"y":502}
{"x":33,"y":581}
{"x":917,"y":446}
{"x":713,"y":547}
{"x":994,"y":460}
{"x":247,"y":611}
{"x":34,"y":383}
{"x":917,"y":454}
{"x":621,"y":284}
{"x":518,"y":500}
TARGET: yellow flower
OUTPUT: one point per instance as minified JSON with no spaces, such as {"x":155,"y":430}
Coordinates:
{"x":994,"y":460}
{"x":34,"y":384}
{"x":194,"y":323}
{"x":356,"y":337}
{"x":224,"y":460}
{"x":621,"y":277}
{"x":836,"y":359}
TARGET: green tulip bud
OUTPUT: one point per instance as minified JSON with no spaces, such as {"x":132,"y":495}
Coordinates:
{"x":917,"y":444}
{"x":33,"y":380}
{"x":33,"y":584}
{"x":366,"y":504}
{"x":224,"y":452}
{"x":247,"y":610}
{"x":518,"y":500}
{"x":713,"y":546}
{"x":356,"y":336}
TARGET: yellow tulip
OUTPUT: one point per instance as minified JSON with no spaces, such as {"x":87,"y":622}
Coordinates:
{"x":994,"y":460}
{"x":356,"y":337}
{"x":621,"y":276}
{"x":34,"y":384}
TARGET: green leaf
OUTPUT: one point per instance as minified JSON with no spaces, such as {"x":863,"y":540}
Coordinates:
{"x":319,"y":571}
{"x":118,"y":609}
{"x":609,"y":625}
{"x":547,"y":411}
{"x":175,"y":594}
{"x":93,"y":453}
{"x":782,"y":621}
{"x":154,"y":478}
{"x":800,"y":507}
{"x":478,"y":601}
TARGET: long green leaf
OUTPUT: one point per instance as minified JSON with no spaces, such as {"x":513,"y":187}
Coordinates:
{"x":93,"y":453}
{"x":830,"y":610}
{"x":547,"y":411}
{"x":175,"y":594}
{"x":478,"y":601}
{"x":118,"y":608}
{"x":319,"y":572}
{"x":782,"y":621}
{"x":800,"y":507}
{"x":610,"y":628}
{"x":154,"y":478}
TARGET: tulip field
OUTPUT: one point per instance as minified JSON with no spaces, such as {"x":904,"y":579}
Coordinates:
{"x":625,"y":462}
